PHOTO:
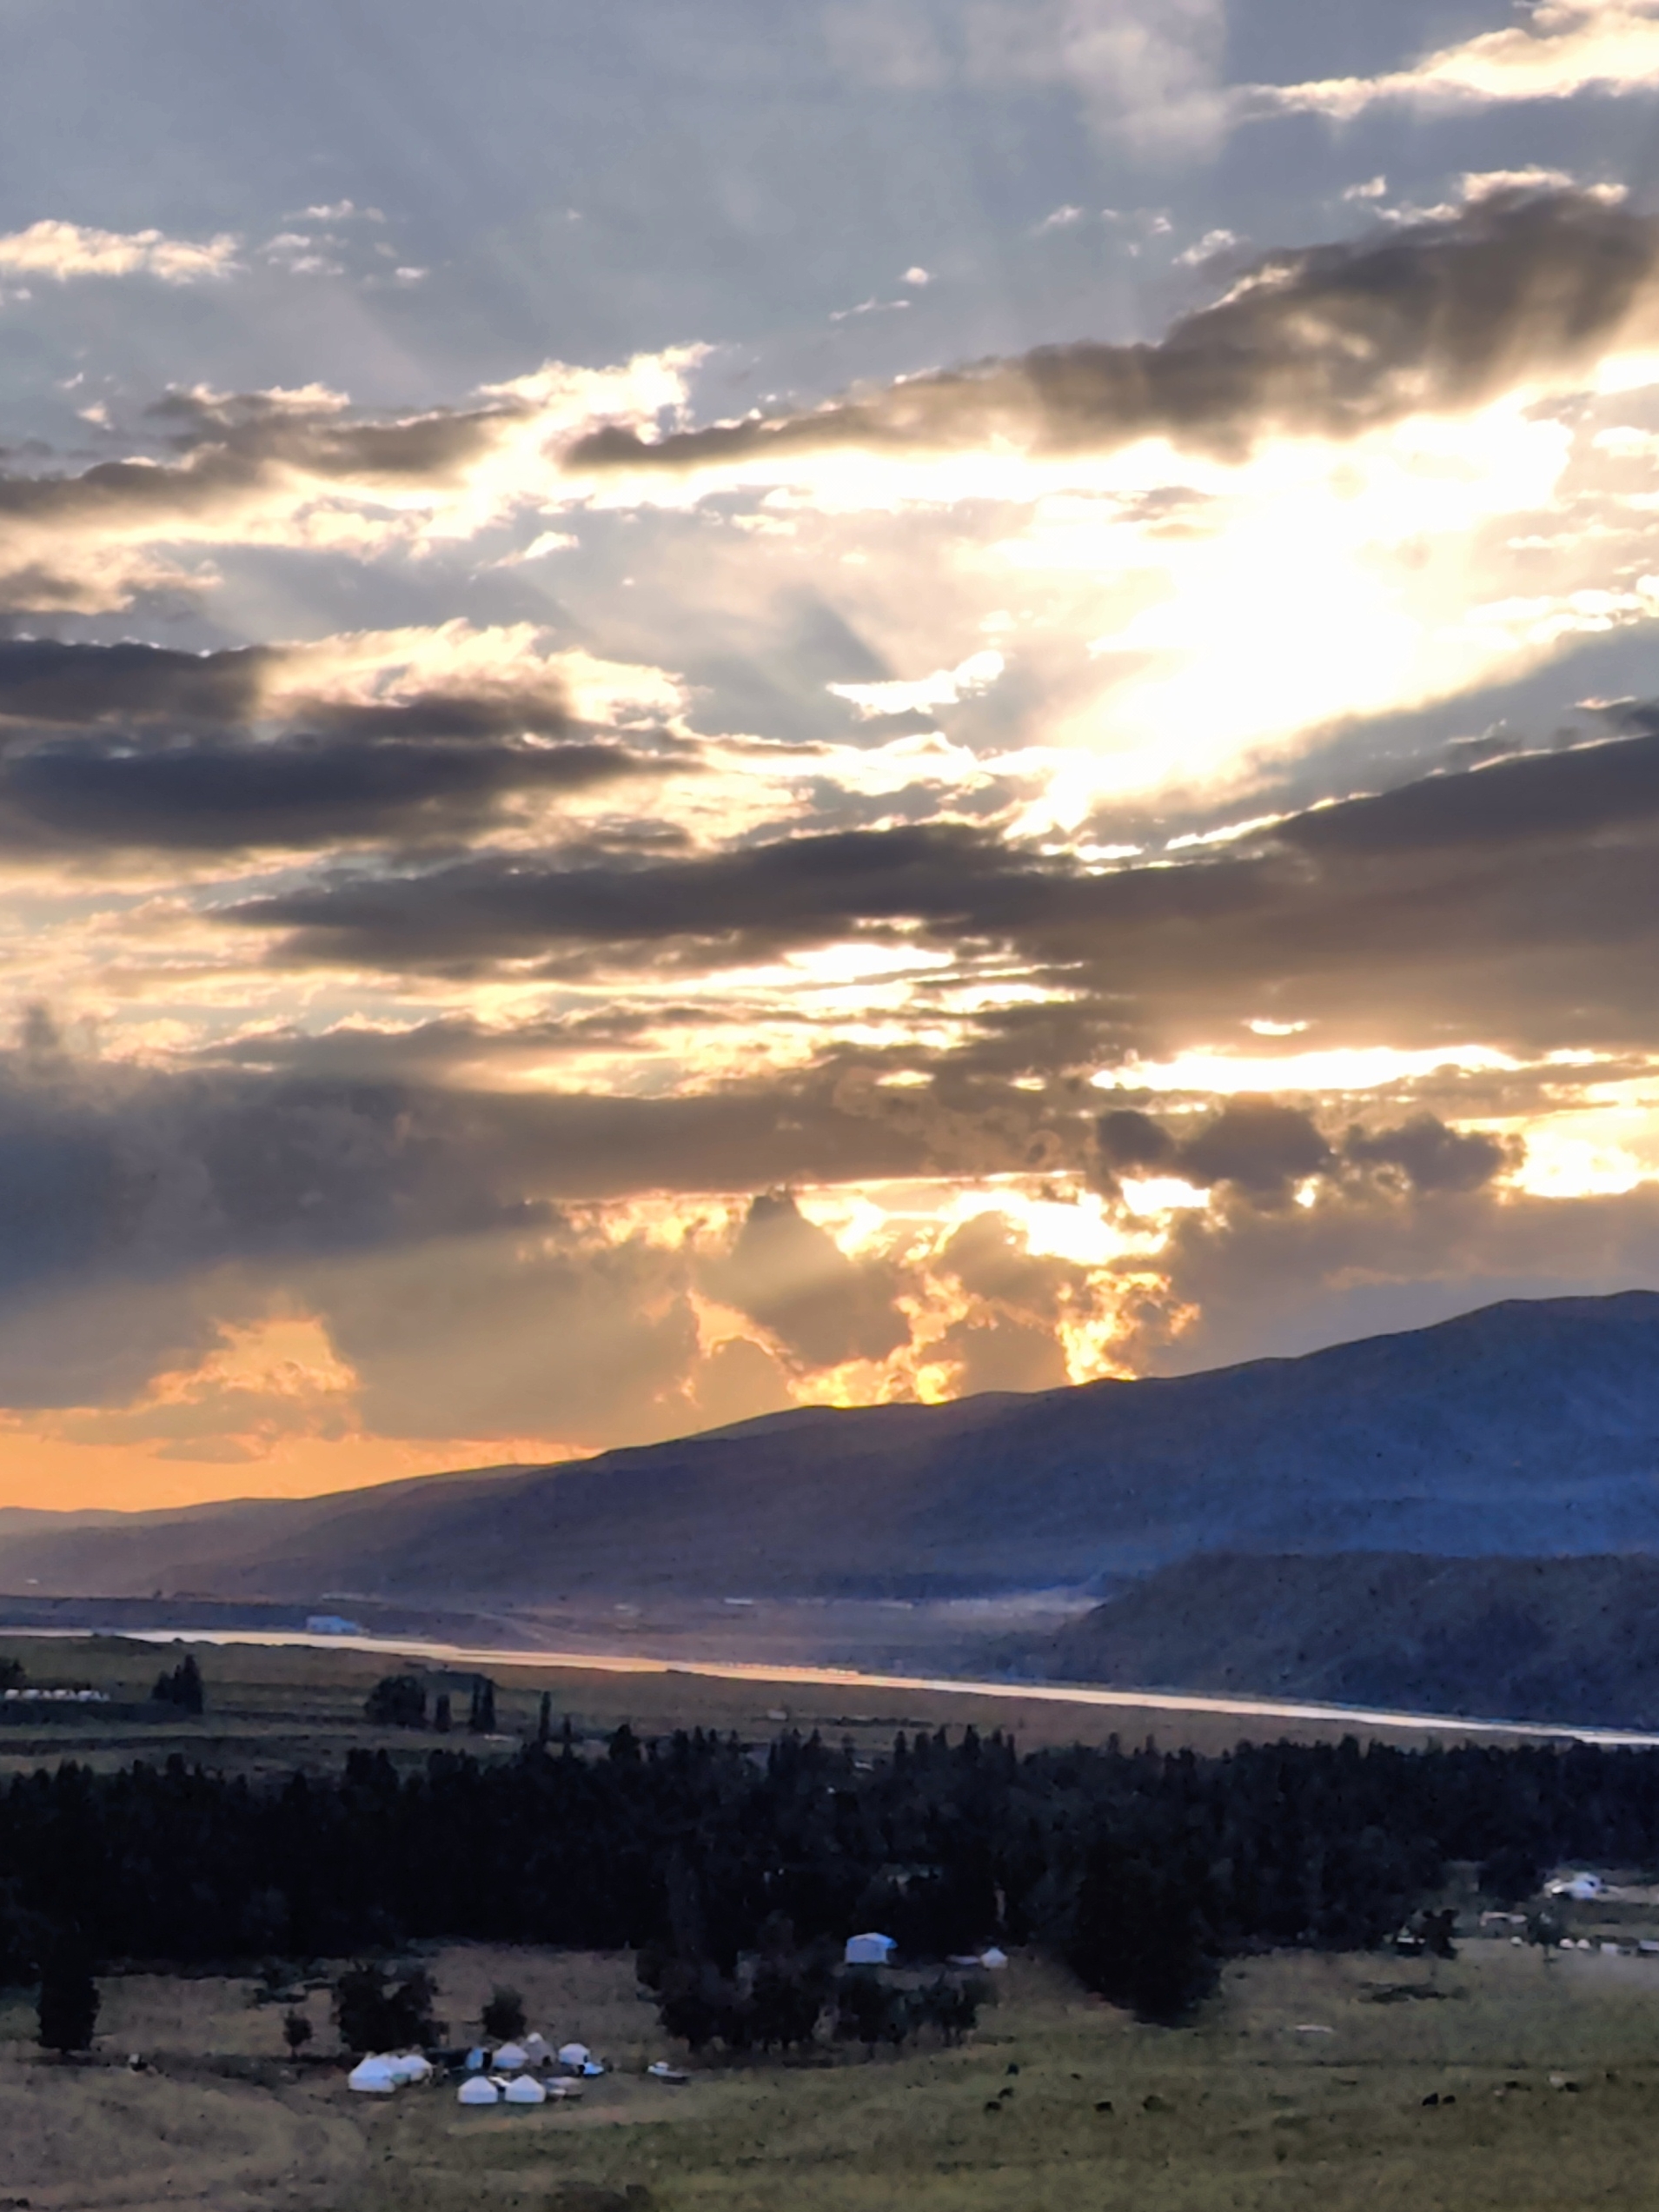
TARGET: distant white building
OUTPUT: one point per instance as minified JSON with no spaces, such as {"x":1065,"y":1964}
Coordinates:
{"x":330,"y":1625}
{"x":869,"y":1950}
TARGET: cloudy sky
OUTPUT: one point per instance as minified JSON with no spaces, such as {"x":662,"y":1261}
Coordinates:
{"x":706,"y":706}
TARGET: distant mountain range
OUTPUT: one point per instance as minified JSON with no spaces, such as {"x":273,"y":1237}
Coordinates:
{"x":1527,"y":1429}
{"x":1292,"y":1524}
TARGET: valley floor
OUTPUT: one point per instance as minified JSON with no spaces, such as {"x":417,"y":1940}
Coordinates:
{"x":1304,"y":2084}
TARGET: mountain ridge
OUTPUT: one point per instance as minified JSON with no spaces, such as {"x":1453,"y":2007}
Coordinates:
{"x":1530,"y":1427}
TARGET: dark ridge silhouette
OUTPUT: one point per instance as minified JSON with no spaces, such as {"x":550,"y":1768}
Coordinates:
{"x":1528,"y":1429}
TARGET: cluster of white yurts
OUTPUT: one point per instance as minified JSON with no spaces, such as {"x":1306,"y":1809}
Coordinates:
{"x":528,"y":2073}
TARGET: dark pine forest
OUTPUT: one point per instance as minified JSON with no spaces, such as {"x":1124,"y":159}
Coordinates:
{"x":1145,"y":1869}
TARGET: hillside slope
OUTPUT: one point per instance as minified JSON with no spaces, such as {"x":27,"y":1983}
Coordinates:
{"x":1560,"y":1640}
{"x":1527,"y":1428}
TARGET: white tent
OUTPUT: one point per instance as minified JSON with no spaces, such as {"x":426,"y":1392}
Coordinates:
{"x":410,"y":2066}
{"x":479,"y":2090}
{"x":524,"y":2089}
{"x":510,"y":2057}
{"x":574,"y":2054}
{"x":869,"y":1951}
{"x":371,"y":2077}
{"x":537,"y":2049}
{"x":995,"y":1959}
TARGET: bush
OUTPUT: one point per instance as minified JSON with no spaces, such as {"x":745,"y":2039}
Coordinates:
{"x":296,"y":2032}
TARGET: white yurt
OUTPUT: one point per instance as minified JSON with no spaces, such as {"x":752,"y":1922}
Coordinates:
{"x":869,"y":1950}
{"x":524,"y":2089}
{"x":479,"y":2090}
{"x":510,"y":2057}
{"x":576,"y":2056}
{"x":371,"y":2077}
{"x":410,"y":2066}
{"x":537,"y":2049}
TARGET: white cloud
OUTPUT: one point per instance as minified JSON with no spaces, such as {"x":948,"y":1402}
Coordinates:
{"x":66,"y":250}
{"x":1212,"y":243}
{"x":1563,"y":47}
{"x":1372,"y":188}
{"x":945,"y":687}
{"x":299,"y":255}
{"x":306,"y":476}
{"x":1059,"y":219}
{"x":1147,"y":72}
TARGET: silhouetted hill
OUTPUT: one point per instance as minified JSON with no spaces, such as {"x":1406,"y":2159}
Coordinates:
{"x":1560,"y":1640}
{"x":1527,"y":1428}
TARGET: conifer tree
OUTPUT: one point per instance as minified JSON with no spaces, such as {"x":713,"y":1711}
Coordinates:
{"x":67,"y":2004}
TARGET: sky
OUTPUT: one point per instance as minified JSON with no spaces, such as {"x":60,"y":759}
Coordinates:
{"x":706,"y":707}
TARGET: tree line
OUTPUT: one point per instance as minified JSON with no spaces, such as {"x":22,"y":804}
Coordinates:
{"x":1143,"y":1868}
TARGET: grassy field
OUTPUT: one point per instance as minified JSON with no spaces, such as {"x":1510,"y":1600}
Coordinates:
{"x":1253,"y":2108}
{"x":274,"y":1708}
{"x":1303,"y":2085}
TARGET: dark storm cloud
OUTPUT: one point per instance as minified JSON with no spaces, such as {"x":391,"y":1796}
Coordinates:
{"x":1548,"y":796}
{"x":418,"y":1218}
{"x":237,"y":448}
{"x":44,"y":681}
{"x":117,"y":1169}
{"x":1258,"y":1144}
{"x":1330,"y":339}
{"x":792,"y":1277}
{"x":298,"y":793}
{"x":1430,"y":1155}
{"x":163,"y":759}
{"x":792,"y":891}
{"x":1517,"y":902}
{"x":144,"y":689}
{"x":1130,"y":1141}
{"x":1261,"y":1147}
